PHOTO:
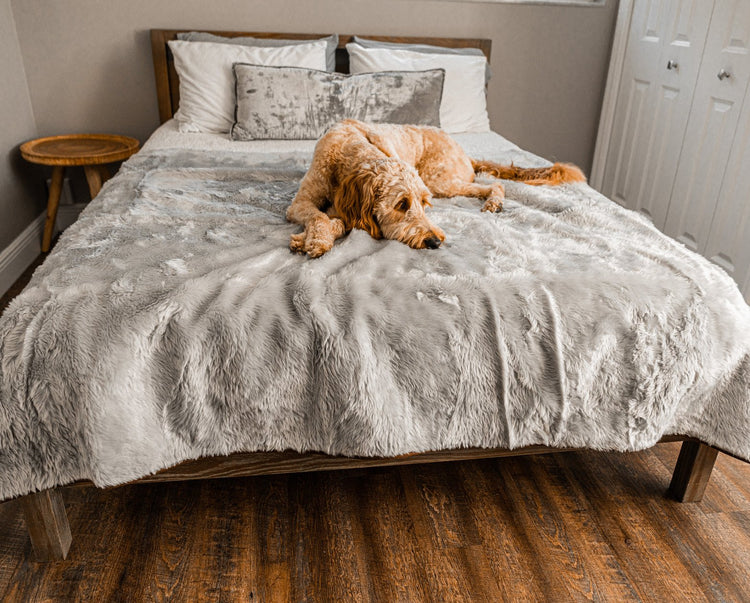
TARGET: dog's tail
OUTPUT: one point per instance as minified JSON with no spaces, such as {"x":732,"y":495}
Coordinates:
{"x":559,"y":173}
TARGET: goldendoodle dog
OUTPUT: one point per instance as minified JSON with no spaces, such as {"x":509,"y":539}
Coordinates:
{"x":381,"y":177}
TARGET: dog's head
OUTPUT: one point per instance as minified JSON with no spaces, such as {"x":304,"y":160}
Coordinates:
{"x":387,"y":198}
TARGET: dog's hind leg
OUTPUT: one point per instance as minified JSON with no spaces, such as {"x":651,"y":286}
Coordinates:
{"x":493,"y":194}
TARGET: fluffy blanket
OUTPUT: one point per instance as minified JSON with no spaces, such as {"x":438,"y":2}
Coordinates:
{"x":172,"y":322}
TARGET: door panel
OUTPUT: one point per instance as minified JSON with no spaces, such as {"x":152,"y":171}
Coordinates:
{"x":654,"y":102}
{"x":711,"y":129}
{"x":729,"y":238}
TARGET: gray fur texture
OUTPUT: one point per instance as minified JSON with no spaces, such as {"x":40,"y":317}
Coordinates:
{"x":171,"y":322}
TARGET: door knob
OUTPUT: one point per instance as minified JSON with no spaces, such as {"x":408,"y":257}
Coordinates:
{"x":723,"y":74}
{"x":672,"y":65}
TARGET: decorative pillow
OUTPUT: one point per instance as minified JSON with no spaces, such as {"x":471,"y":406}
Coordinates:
{"x":464,"y":104}
{"x":294,"y":103}
{"x":424,"y":49}
{"x":332,"y":43}
{"x":207,"y":82}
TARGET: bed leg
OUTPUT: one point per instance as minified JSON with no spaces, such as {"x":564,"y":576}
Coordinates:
{"x":692,"y":471}
{"x":47,"y":523}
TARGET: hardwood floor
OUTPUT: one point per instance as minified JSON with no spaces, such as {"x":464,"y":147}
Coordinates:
{"x":557,"y":527}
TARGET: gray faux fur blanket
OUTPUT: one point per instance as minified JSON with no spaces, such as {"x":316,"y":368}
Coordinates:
{"x":172,"y":322}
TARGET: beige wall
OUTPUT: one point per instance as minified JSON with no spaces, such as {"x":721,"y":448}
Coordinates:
{"x":20,"y":199}
{"x":88,"y":62}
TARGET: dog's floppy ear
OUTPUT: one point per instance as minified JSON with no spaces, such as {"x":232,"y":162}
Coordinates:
{"x":354,"y":201}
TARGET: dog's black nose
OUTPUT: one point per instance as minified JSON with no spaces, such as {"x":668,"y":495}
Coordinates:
{"x":432,"y":242}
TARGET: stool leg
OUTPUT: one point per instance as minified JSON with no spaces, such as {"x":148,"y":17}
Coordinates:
{"x":104,"y":173}
{"x":52,"y":203}
{"x":94,"y":178}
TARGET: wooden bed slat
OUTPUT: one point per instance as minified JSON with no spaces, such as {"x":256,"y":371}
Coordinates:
{"x":270,"y":463}
{"x":242,"y":464}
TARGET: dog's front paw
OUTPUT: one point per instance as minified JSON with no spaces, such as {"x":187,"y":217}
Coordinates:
{"x":297,"y":243}
{"x":318,"y":237}
{"x":321,"y":240}
{"x":493,"y":205}
{"x":313,"y":246}
{"x":318,"y":248}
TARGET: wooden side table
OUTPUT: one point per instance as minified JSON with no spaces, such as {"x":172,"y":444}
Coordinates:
{"x":91,"y":151}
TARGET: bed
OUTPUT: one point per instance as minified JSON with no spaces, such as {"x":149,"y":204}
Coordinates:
{"x":171,"y":335}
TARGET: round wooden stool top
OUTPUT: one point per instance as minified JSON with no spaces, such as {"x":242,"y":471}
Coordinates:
{"x":79,"y":149}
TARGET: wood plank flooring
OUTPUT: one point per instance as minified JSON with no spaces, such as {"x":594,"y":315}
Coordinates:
{"x":557,"y":527}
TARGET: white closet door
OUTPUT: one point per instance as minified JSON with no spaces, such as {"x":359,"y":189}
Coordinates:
{"x":711,"y":130}
{"x":659,"y":73}
{"x":729,"y":236}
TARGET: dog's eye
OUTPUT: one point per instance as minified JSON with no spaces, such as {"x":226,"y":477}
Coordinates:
{"x":403,"y":204}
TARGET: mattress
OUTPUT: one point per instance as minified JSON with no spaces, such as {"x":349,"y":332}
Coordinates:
{"x":172,"y":322}
{"x":479,"y":145}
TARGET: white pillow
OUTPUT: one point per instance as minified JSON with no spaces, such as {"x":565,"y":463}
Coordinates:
{"x":207,"y":79}
{"x":464,"y":104}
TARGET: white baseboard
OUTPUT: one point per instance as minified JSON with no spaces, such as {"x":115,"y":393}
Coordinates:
{"x":19,"y":255}
{"x":27,"y":246}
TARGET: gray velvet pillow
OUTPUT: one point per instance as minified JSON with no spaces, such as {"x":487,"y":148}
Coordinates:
{"x":294,"y":103}
{"x":332,"y":43}
{"x":425,"y":49}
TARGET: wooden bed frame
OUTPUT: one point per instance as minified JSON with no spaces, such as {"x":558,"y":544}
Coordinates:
{"x":45,"y":511}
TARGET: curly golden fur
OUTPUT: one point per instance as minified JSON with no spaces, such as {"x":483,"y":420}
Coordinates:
{"x":380,"y":178}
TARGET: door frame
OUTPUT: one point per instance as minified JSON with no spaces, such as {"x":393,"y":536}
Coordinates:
{"x":611,"y":90}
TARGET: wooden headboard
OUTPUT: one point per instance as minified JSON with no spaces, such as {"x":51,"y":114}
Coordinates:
{"x":167,"y":82}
